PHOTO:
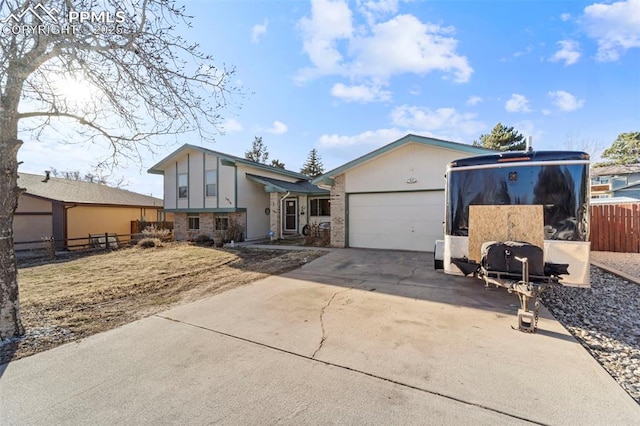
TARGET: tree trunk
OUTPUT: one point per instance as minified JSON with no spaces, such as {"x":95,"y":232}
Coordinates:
{"x":10,"y":323}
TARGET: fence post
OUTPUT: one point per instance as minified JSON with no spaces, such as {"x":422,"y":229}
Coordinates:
{"x":106,"y":241}
{"x":51,"y":248}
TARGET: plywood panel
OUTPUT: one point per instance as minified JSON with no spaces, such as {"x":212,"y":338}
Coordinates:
{"x":504,"y":223}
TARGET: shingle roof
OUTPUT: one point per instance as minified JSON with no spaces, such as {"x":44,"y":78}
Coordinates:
{"x":301,"y":186}
{"x":617,"y":169}
{"x":72,"y":191}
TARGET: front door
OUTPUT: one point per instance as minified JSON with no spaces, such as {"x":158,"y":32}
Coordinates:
{"x":290,"y":214}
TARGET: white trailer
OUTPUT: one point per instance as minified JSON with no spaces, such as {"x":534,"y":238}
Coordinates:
{"x":496,"y":202}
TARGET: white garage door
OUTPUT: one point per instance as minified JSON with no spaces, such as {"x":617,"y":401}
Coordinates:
{"x":396,"y":220}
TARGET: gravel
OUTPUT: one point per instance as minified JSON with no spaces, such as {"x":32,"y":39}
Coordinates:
{"x":605,"y":319}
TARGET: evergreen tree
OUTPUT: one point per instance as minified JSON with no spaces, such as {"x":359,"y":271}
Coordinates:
{"x":277,"y":163}
{"x":502,"y":138}
{"x":624,"y":150}
{"x":313,"y":166}
{"x":258,"y":151}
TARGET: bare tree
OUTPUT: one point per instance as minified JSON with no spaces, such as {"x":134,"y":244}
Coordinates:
{"x":591,"y":146}
{"x":143,"y":78}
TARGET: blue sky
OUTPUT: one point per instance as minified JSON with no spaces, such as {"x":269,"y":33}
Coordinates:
{"x":348,"y":77}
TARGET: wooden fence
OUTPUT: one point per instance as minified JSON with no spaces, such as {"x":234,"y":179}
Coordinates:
{"x":615,"y":227}
{"x":46,"y":247}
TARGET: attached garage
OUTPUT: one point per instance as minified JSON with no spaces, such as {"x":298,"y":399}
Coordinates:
{"x":396,"y":220}
{"x":393,"y":197}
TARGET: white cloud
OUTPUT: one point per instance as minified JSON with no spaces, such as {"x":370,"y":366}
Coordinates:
{"x":374,"y":10}
{"x":258,"y":31}
{"x":569,"y":52}
{"x":565,"y":17}
{"x":445,"y":120}
{"x":360,"y":93}
{"x":375,"y":138}
{"x":406,"y":45}
{"x":232,"y":125}
{"x":402,"y":44}
{"x":517,"y":103}
{"x":474,"y":100}
{"x":330,"y":21}
{"x":278,"y":128}
{"x":615,"y":26}
{"x":565,"y":100}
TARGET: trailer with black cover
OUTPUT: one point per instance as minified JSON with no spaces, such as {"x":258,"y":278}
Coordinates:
{"x":518,"y":220}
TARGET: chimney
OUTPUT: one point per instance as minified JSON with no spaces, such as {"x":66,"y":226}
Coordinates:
{"x":47,"y":176}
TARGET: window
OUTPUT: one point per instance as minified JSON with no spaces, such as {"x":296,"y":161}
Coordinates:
{"x":320,"y":207}
{"x":211,"y":184}
{"x":194,"y":221}
{"x":183,"y":185}
{"x":222,"y":223}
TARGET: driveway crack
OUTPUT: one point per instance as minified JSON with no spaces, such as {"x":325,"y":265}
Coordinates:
{"x":322,"y":312}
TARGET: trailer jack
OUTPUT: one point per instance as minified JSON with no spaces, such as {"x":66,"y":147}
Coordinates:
{"x":526,"y":291}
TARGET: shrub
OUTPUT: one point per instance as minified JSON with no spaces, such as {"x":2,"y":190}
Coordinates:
{"x":154,"y":232}
{"x":149,"y":243}
{"x":203,"y":239}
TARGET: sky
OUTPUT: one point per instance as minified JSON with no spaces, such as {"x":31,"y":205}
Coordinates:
{"x":347,"y":77}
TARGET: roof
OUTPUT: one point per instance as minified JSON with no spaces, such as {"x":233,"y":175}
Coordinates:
{"x":230,"y":159}
{"x":618,"y":169}
{"x":438,"y":143}
{"x":277,"y":185}
{"x":613,"y":200}
{"x":73,"y":191}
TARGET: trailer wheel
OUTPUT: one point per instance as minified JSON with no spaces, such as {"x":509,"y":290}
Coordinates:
{"x":437,"y":263}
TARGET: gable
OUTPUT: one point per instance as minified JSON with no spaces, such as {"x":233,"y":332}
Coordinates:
{"x":408,"y":167}
{"x":463,"y":150}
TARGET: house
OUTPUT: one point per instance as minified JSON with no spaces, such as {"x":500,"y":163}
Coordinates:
{"x":393,"y":197}
{"x":67,"y":209}
{"x":231,"y":198}
{"x":616,"y":181}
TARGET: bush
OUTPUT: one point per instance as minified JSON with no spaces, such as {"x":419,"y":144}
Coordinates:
{"x":154,"y":232}
{"x":149,"y":243}
{"x":203,"y":239}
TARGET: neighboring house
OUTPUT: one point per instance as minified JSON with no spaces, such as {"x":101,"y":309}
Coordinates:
{"x":230,"y":198}
{"x":66,"y":209}
{"x":616,"y":181}
{"x":393,"y":197}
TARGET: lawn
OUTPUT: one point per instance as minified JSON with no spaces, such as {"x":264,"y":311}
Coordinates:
{"x":68,"y":300}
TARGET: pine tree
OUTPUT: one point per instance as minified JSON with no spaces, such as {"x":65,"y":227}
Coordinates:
{"x":258,"y":151}
{"x":277,"y":163}
{"x":502,"y":138}
{"x":313,"y":166}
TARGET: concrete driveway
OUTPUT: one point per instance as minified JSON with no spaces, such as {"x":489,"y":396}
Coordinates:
{"x":355,"y":337}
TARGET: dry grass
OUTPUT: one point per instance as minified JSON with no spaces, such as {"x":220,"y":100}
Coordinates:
{"x":66,"y":301}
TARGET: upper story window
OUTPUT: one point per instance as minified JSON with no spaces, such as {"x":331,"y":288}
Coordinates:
{"x":600,"y":180}
{"x":183,"y":185}
{"x":211,"y":184}
{"x":319,"y":207}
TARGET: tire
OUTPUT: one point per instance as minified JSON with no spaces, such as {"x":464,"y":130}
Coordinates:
{"x":437,"y":263}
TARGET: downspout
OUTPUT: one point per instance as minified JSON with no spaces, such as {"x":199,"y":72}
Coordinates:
{"x":282,"y":213}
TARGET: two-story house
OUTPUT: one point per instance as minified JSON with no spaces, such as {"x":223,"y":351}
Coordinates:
{"x":230,"y":198}
{"x":616,"y":181}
